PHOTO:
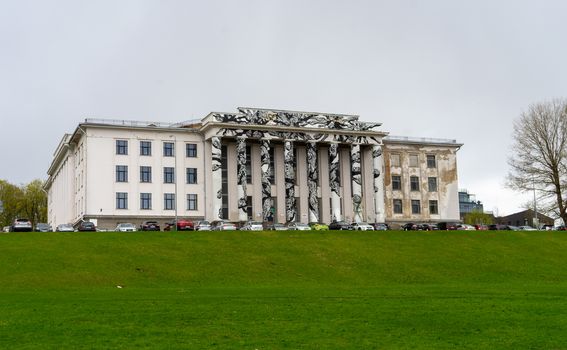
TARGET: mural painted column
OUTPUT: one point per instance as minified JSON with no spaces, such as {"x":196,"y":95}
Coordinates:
{"x":334,"y":182}
{"x":216,"y":152}
{"x":289,"y":179}
{"x":312,"y":177}
{"x":266,"y":184}
{"x":356,"y":182}
{"x":378,"y":164}
{"x":241,"y":178}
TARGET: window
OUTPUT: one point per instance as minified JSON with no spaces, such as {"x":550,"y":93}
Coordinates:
{"x":168,"y":149}
{"x":145,"y":201}
{"x":396,"y":182}
{"x":168,"y":175}
{"x":191,"y":202}
{"x":433,"y":207}
{"x":169,"y":201}
{"x":191,"y":175}
{"x":431,"y":163}
{"x":145,"y":148}
{"x":272,"y":172}
{"x":191,"y":150}
{"x":394,"y":160}
{"x":121,"y":173}
{"x":398,"y":206}
{"x":145,"y":174}
{"x":121,"y":200}
{"x":121,"y":147}
{"x":415,"y":207}
{"x":413,"y":160}
{"x":414,"y":183}
{"x":432,"y":184}
{"x":248,"y":165}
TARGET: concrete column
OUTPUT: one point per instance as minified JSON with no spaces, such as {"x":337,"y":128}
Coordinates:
{"x":241,"y":178}
{"x":356,"y":176}
{"x":266,"y":185}
{"x":334,"y":182}
{"x":216,"y":178}
{"x":378,"y":165}
{"x":312,"y":176}
{"x":289,"y":175}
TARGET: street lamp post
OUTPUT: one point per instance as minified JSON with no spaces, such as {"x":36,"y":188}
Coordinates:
{"x":175,"y":177}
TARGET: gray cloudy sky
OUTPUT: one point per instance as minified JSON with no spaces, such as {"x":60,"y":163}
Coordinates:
{"x":449,"y":69}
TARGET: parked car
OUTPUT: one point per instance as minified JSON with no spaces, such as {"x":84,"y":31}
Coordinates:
{"x":410,"y":226}
{"x":125,"y":227}
{"x":86,"y":226}
{"x":21,"y":225}
{"x":252,"y":226}
{"x":319,"y":226}
{"x":362,"y":226}
{"x":499,"y":227}
{"x":481,"y":227}
{"x":182,"y":225}
{"x":340,"y":225}
{"x":203,"y":226}
{"x":150,"y":226}
{"x":428,"y":227}
{"x":526,"y":228}
{"x":275,"y":227}
{"x":298,"y":226}
{"x":465,"y":227}
{"x":381,"y":227}
{"x":43,"y":227}
{"x":65,"y":228}
{"x":223,"y":225}
{"x":447,"y":225}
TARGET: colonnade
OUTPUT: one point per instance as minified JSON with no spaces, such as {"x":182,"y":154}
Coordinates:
{"x":312,"y":149}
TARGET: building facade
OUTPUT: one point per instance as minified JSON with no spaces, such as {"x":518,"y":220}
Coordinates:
{"x":468,"y":203}
{"x":256,"y":164}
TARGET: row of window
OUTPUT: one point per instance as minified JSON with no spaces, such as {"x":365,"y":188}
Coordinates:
{"x":146,"y":174}
{"x":413,"y":160}
{"x":146,"y":201}
{"x":416,"y":207}
{"x":414,"y":183}
{"x":146,"y":148}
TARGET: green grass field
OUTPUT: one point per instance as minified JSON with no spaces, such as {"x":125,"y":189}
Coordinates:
{"x":284,"y":290}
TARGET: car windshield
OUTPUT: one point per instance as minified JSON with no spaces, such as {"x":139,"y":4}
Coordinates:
{"x":22,"y":220}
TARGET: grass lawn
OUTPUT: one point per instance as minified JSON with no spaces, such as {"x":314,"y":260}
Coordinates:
{"x":284,"y":290}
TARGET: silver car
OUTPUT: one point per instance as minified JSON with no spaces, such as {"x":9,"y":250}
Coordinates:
{"x":252,"y":226}
{"x":203,"y":226}
{"x":222,"y":225}
{"x":362,"y":226}
{"x":125,"y":227}
{"x":22,"y":225}
{"x":65,"y":228}
{"x":298,"y":226}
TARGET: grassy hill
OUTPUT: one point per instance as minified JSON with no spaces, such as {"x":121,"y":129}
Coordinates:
{"x":284,"y":290}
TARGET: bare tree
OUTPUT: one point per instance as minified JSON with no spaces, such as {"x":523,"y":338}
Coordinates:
{"x":539,"y":159}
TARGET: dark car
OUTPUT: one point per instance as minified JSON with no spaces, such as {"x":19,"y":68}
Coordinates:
{"x":448,"y":226}
{"x":150,"y":226}
{"x":380,"y":227}
{"x":182,"y":225}
{"x":86,"y":226}
{"x":410,"y":226}
{"x":428,"y":227}
{"x":43,"y":227}
{"x":340,"y":225}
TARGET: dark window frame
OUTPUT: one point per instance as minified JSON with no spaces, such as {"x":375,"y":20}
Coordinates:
{"x":191,"y":177}
{"x":145,"y":148}
{"x":397,"y":206}
{"x":192,"y":201}
{"x":414,"y":183}
{"x":168,"y":175}
{"x":168,"y":149}
{"x":415,"y":206}
{"x":122,"y":147}
{"x":145,"y":174}
{"x":431,"y":161}
{"x":145,"y":201}
{"x":122,"y":200}
{"x":191,"y":150}
{"x":432,"y":184}
{"x":122,"y":173}
{"x":169,"y":201}
{"x":396,"y":182}
{"x":433,"y":207}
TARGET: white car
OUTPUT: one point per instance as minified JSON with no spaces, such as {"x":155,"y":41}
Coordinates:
{"x":203,"y":226}
{"x":362,"y":226}
{"x":22,"y":225}
{"x":125,"y":227}
{"x":526,"y":228}
{"x":65,"y":228}
{"x":252,"y":226}
{"x":298,"y":226}
{"x":465,"y":227}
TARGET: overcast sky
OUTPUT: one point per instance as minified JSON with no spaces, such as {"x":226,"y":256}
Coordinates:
{"x":447,"y":69}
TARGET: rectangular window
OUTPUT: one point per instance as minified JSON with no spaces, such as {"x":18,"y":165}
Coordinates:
{"x":433,"y":207}
{"x":145,"y":174}
{"x":394,"y":160}
{"x":121,"y":200}
{"x":145,"y":148}
{"x":168,"y":149}
{"x":191,"y":175}
{"x":414,"y":183}
{"x":415,"y":207}
{"x":432,"y":184}
{"x":121,"y":147}
{"x":431,"y":163}
{"x":413,"y":160}
{"x":191,"y":202}
{"x":398,"y":206}
{"x":168,"y":175}
{"x":248,"y":165}
{"x":191,"y":150}
{"x":272,"y":172}
{"x":145,"y":201}
{"x":396,"y":182}
{"x":169,"y":201}
{"x":121,"y":173}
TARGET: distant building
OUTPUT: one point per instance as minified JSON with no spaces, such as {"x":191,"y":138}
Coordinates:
{"x":468,"y":203}
{"x":524,"y":218}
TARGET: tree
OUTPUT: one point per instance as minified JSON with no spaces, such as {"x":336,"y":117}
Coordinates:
{"x":539,"y":159}
{"x":34,"y":203}
{"x":477,"y":217}
{"x":11,"y":197}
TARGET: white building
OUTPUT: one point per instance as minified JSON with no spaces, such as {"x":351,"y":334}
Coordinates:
{"x":259,"y":164}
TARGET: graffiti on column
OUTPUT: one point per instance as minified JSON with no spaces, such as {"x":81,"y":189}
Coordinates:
{"x":266,"y":184}
{"x":289,"y":175}
{"x":241,"y":178}
{"x":334,"y":181}
{"x":217,"y":176}
{"x":356,"y":182}
{"x":312,"y":176}
{"x":378,"y":190}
